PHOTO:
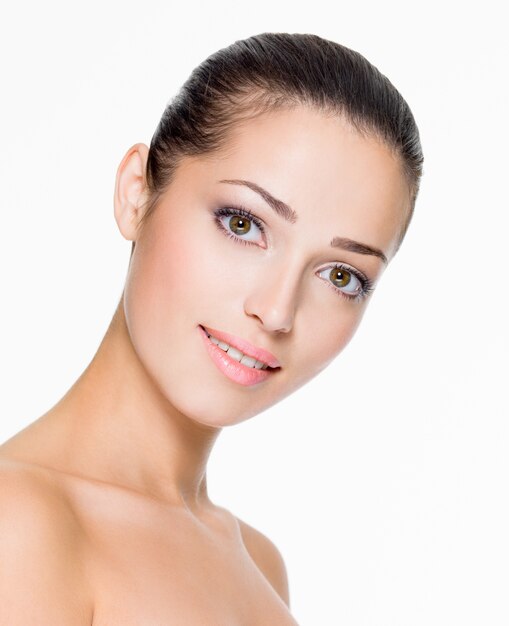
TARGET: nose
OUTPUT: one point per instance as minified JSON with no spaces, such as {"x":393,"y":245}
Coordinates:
{"x":273,"y":301}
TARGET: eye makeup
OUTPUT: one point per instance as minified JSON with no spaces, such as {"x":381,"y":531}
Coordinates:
{"x":227,"y":211}
{"x":366,"y":285}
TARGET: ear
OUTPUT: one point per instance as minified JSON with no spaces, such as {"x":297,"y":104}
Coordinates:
{"x":130,"y":190}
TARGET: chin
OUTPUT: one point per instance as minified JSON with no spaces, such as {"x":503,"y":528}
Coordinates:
{"x":214,"y":415}
{"x":219,"y":402}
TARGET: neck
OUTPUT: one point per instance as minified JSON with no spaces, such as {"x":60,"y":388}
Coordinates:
{"x":115,"y":425}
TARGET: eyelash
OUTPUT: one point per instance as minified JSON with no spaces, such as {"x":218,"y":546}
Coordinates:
{"x":228,"y":211}
{"x":366,"y":284}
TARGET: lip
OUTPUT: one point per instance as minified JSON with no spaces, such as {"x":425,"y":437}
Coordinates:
{"x":244,"y":346}
{"x":232,"y":369}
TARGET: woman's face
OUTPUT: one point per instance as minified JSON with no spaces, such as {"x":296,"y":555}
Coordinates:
{"x":268,"y":278}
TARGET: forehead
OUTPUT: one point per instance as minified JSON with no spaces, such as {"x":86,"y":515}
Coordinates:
{"x":323,"y":168}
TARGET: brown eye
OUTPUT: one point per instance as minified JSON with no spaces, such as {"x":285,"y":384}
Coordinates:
{"x":239,"y":225}
{"x":340,"y":277}
{"x":345,"y":281}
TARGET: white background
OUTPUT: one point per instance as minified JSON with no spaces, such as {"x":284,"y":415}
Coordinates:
{"x":383,"y":481}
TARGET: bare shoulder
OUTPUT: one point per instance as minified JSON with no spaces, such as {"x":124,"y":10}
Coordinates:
{"x":267,"y":557}
{"x":41,"y":579}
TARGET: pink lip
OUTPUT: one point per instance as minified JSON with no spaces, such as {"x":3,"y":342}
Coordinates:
{"x":244,"y":346}
{"x":238,"y":372}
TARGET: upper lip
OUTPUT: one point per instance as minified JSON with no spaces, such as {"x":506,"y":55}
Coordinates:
{"x":244,"y":346}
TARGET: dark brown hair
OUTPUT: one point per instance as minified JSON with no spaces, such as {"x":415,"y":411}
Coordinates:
{"x":279,"y":70}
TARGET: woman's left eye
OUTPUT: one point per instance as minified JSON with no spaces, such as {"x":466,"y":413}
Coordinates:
{"x":239,"y":224}
{"x":345,"y":280}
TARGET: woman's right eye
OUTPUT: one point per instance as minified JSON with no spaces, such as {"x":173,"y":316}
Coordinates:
{"x":239,"y":224}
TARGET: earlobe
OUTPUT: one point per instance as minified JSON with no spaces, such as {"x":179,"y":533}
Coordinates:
{"x":130,"y":190}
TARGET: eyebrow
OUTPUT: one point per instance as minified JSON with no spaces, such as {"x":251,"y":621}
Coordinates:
{"x":280,"y":207}
{"x":355,"y":246}
{"x":288,"y":214}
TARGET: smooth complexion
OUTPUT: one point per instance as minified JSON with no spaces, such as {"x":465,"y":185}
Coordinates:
{"x":185,"y":272}
{"x":130,"y":440}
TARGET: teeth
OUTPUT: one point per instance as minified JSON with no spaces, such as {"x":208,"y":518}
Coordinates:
{"x":239,"y":356}
{"x":234,"y":353}
{"x":248,"y":360}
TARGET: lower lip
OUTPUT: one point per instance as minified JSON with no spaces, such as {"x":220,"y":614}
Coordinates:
{"x":231,"y":368}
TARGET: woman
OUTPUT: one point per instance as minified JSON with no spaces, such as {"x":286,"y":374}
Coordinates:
{"x":277,"y":187}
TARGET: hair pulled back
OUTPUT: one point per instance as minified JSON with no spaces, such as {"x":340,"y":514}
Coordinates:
{"x":271,"y":71}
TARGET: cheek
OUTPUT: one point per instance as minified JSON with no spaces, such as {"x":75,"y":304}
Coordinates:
{"x":336,"y":332}
{"x":179,"y":277}
{"x":172,"y":273}
{"x":322,"y":338}
{"x":161,"y":294}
